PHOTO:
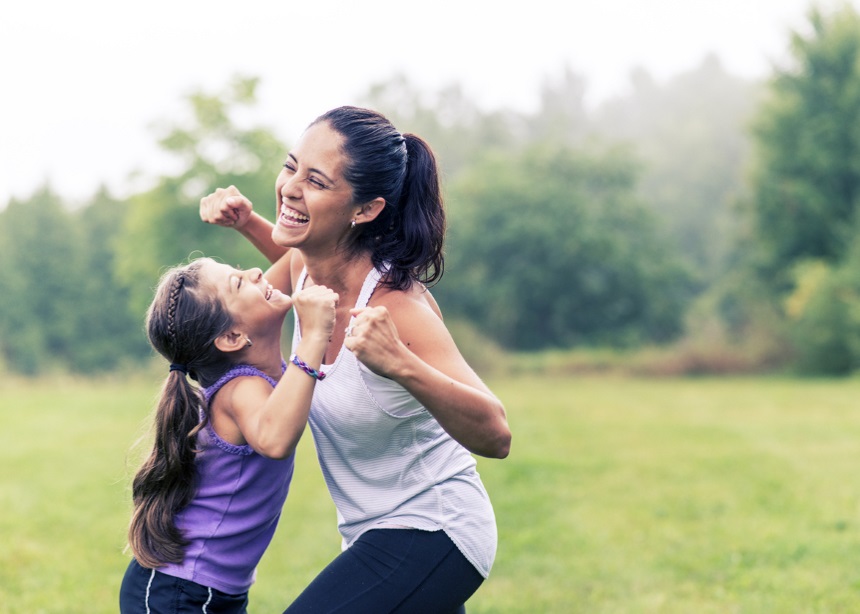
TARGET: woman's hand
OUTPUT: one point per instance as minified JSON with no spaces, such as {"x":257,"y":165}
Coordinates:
{"x":373,"y":338}
{"x":406,"y":341}
{"x":226,"y":207}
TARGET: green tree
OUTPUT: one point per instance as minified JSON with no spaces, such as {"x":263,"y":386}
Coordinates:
{"x":688,"y":133}
{"x":40,"y":282}
{"x":108,"y":332}
{"x":691,"y":134}
{"x":807,"y":136}
{"x":824,"y":312}
{"x":550,"y":248}
{"x":793,"y":258}
{"x":162,"y":227}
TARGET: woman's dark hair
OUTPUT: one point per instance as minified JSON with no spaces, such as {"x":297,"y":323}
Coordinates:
{"x":182,"y":323}
{"x":408,"y":234}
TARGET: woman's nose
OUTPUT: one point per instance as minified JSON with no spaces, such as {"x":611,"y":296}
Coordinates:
{"x":290,"y":189}
{"x":256,"y":274}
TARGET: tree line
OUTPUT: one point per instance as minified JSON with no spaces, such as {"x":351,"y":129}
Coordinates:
{"x":705,"y":203}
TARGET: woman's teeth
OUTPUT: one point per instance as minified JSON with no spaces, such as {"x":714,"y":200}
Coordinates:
{"x":293,"y":216}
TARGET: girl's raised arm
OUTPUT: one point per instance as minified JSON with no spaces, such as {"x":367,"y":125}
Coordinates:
{"x":272,"y":421}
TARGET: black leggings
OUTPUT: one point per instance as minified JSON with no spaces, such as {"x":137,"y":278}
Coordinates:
{"x":393,"y":570}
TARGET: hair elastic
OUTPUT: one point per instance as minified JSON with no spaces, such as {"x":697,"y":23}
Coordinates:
{"x":307,"y":368}
{"x":179,"y":367}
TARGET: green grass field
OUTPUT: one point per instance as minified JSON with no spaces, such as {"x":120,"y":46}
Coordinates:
{"x":620,"y":496}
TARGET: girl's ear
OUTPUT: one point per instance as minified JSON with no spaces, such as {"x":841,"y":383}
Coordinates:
{"x":369,"y":210}
{"x":231,"y":341}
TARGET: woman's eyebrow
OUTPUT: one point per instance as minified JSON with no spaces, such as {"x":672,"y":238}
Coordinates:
{"x":312,"y":169}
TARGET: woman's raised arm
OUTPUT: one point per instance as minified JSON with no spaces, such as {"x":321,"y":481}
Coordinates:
{"x":229,"y":208}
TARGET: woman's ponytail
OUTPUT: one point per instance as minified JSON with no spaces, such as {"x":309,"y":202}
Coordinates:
{"x":415,"y":252}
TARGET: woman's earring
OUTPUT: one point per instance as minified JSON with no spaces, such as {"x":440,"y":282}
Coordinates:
{"x":248,"y":344}
{"x":352,"y":223}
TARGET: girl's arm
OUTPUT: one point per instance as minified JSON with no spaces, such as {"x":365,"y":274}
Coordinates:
{"x":404,"y":339}
{"x":228,"y":207}
{"x":272,"y":420}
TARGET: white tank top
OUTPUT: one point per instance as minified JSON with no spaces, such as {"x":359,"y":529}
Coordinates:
{"x":388,"y":463}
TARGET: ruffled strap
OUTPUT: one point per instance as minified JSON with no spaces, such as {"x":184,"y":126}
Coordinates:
{"x":239,"y":371}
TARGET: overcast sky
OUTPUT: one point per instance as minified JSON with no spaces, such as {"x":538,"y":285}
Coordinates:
{"x":84,"y":81}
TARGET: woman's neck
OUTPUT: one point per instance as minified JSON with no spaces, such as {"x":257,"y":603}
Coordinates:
{"x":346,"y":277}
{"x":343,"y":275}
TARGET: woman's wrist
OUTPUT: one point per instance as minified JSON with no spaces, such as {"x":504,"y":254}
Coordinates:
{"x":252,"y":224}
{"x":258,"y":230}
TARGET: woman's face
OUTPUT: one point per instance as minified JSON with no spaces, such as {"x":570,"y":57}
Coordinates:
{"x":250,"y":299}
{"x":314,"y":200}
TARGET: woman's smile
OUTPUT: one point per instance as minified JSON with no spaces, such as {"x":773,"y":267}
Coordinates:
{"x":291,"y":217}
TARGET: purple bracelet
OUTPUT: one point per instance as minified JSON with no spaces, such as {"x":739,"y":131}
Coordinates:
{"x":307,"y":368}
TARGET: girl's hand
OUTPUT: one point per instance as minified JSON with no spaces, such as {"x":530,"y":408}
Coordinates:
{"x":373,"y":338}
{"x":315,"y":308}
{"x":226,"y":207}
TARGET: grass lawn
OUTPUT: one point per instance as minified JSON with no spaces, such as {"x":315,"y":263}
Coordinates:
{"x":620,"y":496}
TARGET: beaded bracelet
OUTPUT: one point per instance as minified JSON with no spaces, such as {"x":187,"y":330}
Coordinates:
{"x":307,"y":368}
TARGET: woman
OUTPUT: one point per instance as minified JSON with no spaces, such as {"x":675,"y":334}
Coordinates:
{"x":209,"y":496}
{"x":400,"y":411}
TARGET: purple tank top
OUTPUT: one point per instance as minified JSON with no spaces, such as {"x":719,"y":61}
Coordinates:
{"x":234,"y":513}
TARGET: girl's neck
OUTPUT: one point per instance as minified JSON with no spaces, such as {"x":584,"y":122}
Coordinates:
{"x":265,"y":354}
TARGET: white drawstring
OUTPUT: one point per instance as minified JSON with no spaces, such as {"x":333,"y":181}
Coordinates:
{"x":148,"y":585}
{"x":208,"y":600}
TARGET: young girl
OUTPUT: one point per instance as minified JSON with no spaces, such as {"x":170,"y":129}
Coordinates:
{"x":209,"y":496}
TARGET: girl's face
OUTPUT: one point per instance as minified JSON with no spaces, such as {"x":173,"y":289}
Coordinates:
{"x":250,"y":299}
{"x":314,"y":200}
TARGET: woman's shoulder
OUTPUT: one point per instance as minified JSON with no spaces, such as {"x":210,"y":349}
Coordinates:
{"x":416,"y":301}
{"x":416,"y":317}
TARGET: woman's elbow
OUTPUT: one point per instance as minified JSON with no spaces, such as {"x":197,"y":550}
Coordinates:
{"x":503,"y":444}
{"x":498,"y":443}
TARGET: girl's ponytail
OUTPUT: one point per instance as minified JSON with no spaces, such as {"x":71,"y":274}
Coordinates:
{"x":165,"y":483}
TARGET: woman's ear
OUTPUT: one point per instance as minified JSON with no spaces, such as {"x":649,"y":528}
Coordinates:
{"x":369,"y":210}
{"x":231,"y":341}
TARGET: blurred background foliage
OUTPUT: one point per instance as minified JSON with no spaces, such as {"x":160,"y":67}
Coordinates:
{"x":705,"y":224}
